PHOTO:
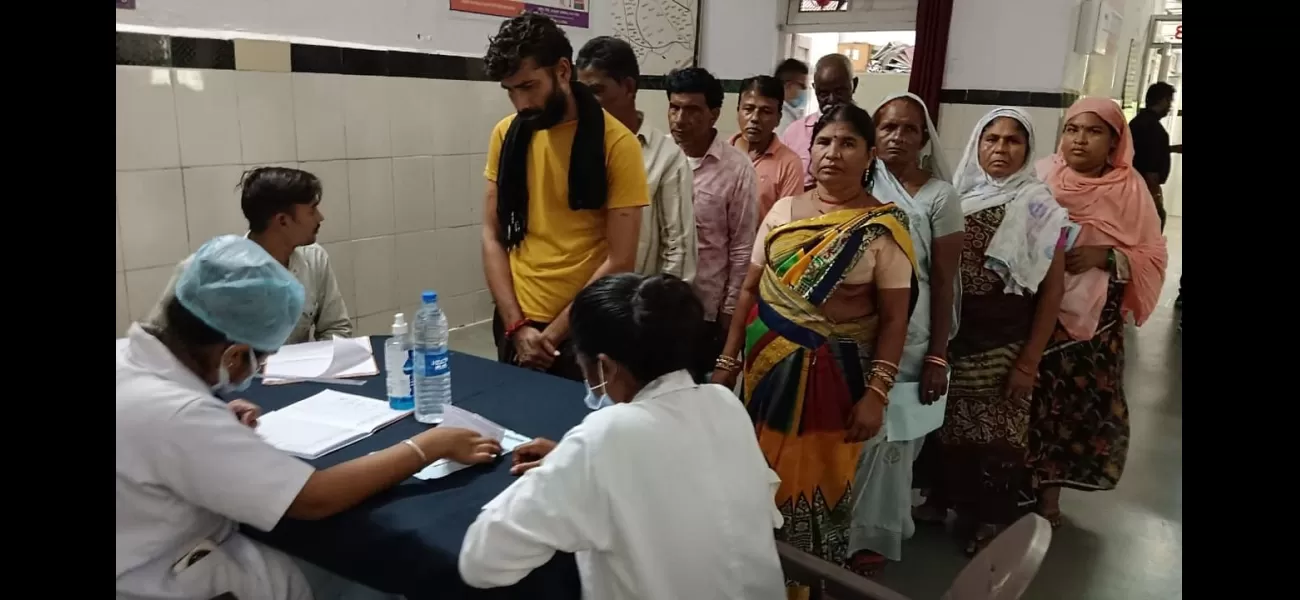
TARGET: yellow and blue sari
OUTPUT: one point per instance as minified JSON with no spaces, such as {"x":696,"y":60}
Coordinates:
{"x":804,"y":372}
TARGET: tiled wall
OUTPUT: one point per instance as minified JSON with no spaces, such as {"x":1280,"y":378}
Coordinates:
{"x":401,"y":160}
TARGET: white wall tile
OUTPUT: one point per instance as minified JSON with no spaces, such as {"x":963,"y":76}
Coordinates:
{"x":461,"y":271}
{"x":727,"y":123}
{"x":151,"y":209}
{"x":212,"y":203}
{"x":266,"y":120}
{"x":262,"y":55}
{"x":335,"y":204}
{"x":413,"y":198}
{"x":370,"y":194}
{"x":483,"y":306}
{"x":373,"y":261}
{"x":146,"y":119}
{"x":365,"y":117}
{"x":208,"y":116}
{"x":117,"y":235}
{"x":417,"y":265}
{"x":123,"y":315}
{"x":476,"y":187}
{"x":318,"y":116}
{"x":143,"y":289}
{"x":341,"y":262}
{"x":459,"y":309}
{"x":448,"y":132}
{"x":452,"y":200}
{"x":413,"y":113}
{"x":380,"y":323}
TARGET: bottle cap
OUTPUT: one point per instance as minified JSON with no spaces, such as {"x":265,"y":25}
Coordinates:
{"x":399,"y":324}
{"x":429,"y":296}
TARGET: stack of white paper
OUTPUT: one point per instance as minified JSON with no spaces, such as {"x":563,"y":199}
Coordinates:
{"x":453,"y":416}
{"x":328,"y":359}
{"x":325,"y":422}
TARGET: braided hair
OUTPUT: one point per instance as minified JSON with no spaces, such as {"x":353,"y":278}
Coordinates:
{"x":862,"y":124}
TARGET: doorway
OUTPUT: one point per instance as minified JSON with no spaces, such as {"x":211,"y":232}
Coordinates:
{"x":1163,"y":61}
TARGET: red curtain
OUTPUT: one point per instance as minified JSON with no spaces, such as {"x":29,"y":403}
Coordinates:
{"x":932,"y":20}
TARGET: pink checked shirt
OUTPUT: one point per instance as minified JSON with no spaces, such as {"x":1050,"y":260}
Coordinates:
{"x":726,"y":219}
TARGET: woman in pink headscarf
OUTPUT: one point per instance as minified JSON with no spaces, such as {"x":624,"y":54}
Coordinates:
{"x":1115,"y":270}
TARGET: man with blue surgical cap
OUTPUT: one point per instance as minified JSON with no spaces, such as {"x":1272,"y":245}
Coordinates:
{"x":190,"y":467}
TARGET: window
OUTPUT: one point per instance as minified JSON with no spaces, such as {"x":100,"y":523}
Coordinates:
{"x":815,"y":6}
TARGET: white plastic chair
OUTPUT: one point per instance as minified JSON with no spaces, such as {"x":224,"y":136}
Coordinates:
{"x":1004,"y":568}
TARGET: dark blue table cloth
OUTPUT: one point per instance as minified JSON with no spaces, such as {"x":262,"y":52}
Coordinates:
{"x":407,"y":540}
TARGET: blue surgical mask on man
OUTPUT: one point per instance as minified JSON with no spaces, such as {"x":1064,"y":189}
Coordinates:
{"x":593,"y":402}
{"x":224,"y":386}
{"x":799,"y":100}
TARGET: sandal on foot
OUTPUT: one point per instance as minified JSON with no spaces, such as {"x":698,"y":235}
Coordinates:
{"x":866,"y":563}
{"x":1054,"y":517}
{"x":984,"y":534}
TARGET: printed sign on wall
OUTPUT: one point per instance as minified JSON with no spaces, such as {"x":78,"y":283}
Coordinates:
{"x":571,"y":13}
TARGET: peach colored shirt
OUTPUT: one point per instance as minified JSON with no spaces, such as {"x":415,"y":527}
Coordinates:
{"x":780,"y":173}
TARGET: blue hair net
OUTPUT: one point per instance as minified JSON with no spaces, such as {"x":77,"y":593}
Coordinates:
{"x":237,"y":288}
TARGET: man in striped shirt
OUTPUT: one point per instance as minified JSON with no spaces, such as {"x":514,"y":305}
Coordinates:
{"x":608,"y":67}
{"x":726,"y":202}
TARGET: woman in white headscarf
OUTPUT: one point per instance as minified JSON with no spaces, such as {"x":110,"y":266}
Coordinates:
{"x":912,"y":175}
{"x":1012,"y":281}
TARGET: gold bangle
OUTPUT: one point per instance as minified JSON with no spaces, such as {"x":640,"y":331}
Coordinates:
{"x":935,"y":360}
{"x":886,"y":363}
{"x":417,"y":449}
{"x":883,"y":394}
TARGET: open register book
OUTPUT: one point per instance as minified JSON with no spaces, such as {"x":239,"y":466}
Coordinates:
{"x":320,"y":424}
{"x":327,"y":359}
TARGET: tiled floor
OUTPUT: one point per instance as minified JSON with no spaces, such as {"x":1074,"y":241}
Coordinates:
{"x":1125,"y":544}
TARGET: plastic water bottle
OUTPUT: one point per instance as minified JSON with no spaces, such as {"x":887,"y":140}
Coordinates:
{"x":432,"y":363}
{"x":397,"y":361}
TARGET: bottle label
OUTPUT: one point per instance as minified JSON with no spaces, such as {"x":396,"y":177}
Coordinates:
{"x":408,"y":372}
{"x":436,"y":363}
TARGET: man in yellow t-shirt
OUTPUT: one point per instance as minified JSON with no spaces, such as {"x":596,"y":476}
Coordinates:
{"x":566,"y":187}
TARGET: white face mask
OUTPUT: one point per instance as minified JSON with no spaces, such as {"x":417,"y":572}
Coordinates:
{"x":593,"y":402}
{"x":224,"y":386}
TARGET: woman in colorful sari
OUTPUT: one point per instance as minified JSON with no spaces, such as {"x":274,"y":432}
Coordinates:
{"x":912,"y":176}
{"x":827,"y":297}
{"x":1012,"y":279}
{"x":1079,"y":428}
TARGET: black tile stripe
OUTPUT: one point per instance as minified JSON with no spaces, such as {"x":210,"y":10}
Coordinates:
{"x":1009,"y":98}
{"x":143,"y":50}
{"x":198,"y":53}
{"x":201,"y":53}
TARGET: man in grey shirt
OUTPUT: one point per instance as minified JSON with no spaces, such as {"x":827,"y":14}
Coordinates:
{"x":283,"y":210}
{"x":667,"y":244}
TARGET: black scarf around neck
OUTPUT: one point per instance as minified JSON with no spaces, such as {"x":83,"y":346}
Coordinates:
{"x":587,"y":185}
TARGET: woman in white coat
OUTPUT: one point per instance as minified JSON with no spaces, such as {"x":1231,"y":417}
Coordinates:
{"x":190,"y":467}
{"x":662,"y":493}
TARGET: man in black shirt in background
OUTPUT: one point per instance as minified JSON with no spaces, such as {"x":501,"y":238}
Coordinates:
{"x":1151,"y":152}
{"x":1151,"y":142}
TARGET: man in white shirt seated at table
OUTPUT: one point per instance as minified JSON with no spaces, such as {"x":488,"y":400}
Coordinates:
{"x":282,"y":207}
{"x":190,"y":468}
{"x":662,"y":493}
